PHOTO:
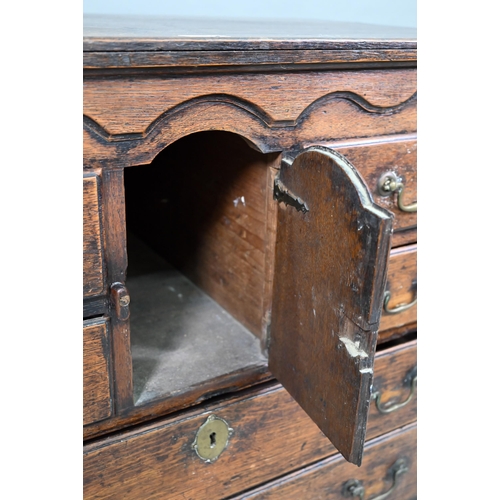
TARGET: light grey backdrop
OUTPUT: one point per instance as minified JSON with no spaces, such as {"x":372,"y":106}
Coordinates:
{"x":386,"y":12}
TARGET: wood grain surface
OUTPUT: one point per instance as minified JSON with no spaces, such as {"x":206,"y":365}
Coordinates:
{"x":333,"y":118}
{"x":272,"y":436}
{"x":331,"y":265}
{"x":229,"y":384}
{"x":116,"y":259}
{"x":215,"y":221}
{"x":96,"y":380}
{"x":402,"y":283}
{"x":282,"y":87}
{"x":93,"y":278}
{"x":376,"y":158}
{"x":392,"y":374}
{"x":133,"y":105}
{"x":197,"y":62}
{"x":396,"y":333}
{"x":401,"y":269}
{"x":325,"y":480}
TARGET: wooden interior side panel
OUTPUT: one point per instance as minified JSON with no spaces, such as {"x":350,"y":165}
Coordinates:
{"x":330,"y":270}
{"x":96,"y":380}
{"x":93,"y":279}
{"x":205,"y":205}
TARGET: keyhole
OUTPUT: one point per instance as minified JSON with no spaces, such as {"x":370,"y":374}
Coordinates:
{"x":212,"y":439}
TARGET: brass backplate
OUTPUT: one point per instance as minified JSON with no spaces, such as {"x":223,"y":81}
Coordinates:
{"x":212,"y":438}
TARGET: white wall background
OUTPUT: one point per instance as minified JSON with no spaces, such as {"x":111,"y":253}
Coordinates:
{"x":385,"y":12}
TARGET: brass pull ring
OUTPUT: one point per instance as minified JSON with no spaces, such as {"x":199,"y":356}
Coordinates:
{"x":390,"y":183}
{"x":399,"y":308}
{"x":412,"y":379}
{"x":354,"y":487}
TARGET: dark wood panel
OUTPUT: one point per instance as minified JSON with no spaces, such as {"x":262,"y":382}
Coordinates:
{"x":375,"y":159}
{"x":95,"y":306}
{"x":96,"y":381}
{"x":332,"y":253}
{"x":93,"y":279}
{"x":404,"y":237}
{"x":272,"y":436}
{"x":402,"y":284}
{"x":284,"y":60}
{"x":394,"y":334}
{"x":338,"y":117}
{"x":327,"y":479}
{"x":392,"y":378}
{"x":116,"y":258}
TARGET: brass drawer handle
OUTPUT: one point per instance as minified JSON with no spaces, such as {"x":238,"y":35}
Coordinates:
{"x":399,"y":308}
{"x":411,"y":378}
{"x":354,"y":487}
{"x":390,"y":183}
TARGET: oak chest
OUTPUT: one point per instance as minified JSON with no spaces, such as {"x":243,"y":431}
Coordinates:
{"x":249,"y":243}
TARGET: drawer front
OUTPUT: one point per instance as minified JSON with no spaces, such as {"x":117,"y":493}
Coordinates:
{"x":93,"y":280}
{"x":389,"y":467}
{"x":402,"y":286}
{"x":373,"y":162}
{"x":96,"y":380}
{"x":272,"y":436}
{"x":394,"y":392}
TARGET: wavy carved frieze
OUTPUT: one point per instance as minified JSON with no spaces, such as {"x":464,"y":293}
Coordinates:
{"x":333,"y":116}
{"x":248,"y":107}
{"x":131,"y":106}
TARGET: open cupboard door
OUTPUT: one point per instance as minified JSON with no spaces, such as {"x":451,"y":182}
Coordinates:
{"x":332,"y":253}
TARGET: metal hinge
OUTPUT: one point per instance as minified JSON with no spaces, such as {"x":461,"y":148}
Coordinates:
{"x":281,"y":193}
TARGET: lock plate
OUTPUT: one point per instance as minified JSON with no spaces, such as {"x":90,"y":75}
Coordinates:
{"x":212,"y":438}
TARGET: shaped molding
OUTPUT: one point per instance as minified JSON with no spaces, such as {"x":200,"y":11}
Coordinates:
{"x":255,"y":111}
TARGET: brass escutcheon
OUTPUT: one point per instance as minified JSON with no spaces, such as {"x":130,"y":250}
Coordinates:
{"x":212,"y":438}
